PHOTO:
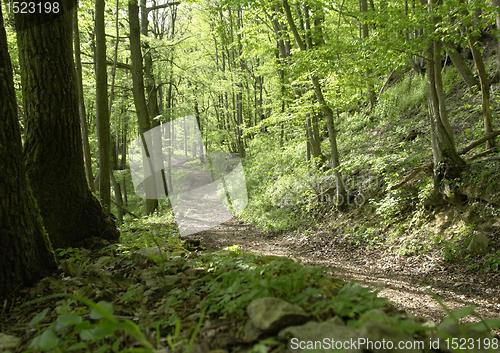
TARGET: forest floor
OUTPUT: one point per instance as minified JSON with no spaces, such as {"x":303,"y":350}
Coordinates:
{"x":407,"y":281}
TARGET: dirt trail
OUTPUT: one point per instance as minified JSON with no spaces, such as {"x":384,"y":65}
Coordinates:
{"x":405,"y":280}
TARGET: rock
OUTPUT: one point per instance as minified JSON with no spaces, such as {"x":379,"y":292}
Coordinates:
{"x":155,"y":279}
{"x":452,"y":330}
{"x":373,"y":336}
{"x":9,"y":342}
{"x":378,"y":332}
{"x":250,"y":332}
{"x":143,"y":255}
{"x":478,"y":244}
{"x":273,"y":314}
{"x":194,"y":272}
{"x":104,"y":262}
{"x":71,"y":268}
{"x":150,"y":251}
{"x":309,"y":336}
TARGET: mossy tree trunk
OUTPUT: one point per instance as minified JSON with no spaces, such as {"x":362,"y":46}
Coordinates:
{"x":81,"y":103}
{"x":53,"y":148}
{"x":141,"y":107}
{"x":25,"y":251}
{"x":101,"y":107}
{"x":447,"y":163}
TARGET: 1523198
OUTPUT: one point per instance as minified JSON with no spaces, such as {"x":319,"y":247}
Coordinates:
{"x":32,"y":7}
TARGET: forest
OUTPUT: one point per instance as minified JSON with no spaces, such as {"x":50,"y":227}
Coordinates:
{"x":216,"y":176}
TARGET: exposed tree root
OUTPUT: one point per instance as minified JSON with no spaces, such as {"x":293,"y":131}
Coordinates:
{"x":427,"y":167}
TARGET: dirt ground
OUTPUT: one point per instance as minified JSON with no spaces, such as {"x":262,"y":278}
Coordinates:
{"x":407,"y":281}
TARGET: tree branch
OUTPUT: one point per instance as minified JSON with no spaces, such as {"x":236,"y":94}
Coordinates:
{"x":163,"y":6}
{"x":478,"y":142}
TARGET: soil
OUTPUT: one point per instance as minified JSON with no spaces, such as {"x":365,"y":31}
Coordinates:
{"x":407,"y":281}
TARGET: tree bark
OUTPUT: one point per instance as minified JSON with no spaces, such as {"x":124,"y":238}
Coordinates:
{"x":81,"y":103}
{"x":139,"y":97}
{"x":485,"y":89}
{"x":447,"y":163}
{"x":327,"y":111}
{"x":102,"y":114}
{"x":461,"y":66}
{"x":53,"y":147}
{"x":364,"y":30}
{"x":25,"y":251}
{"x":496,"y":3}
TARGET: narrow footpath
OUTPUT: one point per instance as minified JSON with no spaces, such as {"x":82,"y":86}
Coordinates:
{"x":405,"y":280}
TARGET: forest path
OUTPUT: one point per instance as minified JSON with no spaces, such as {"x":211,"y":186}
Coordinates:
{"x":405,"y":280}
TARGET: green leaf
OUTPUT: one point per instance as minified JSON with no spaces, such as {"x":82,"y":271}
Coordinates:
{"x":87,"y":335}
{"x":81,"y":326}
{"x":76,"y":346}
{"x":103,"y":348}
{"x":103,"y":332}
{"x":101,"y":310}
{"x":486,"y":325}
{"x":456,"y":315}
{"x":46,"y":341}
{"x":69,"y":319}
{"x":39,"y":317}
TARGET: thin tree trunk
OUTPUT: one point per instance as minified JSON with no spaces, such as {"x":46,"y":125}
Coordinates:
{"x":364,"y":30}
{"x":327,"y":111}
{"x":140,"y":100}
{"x":485,"y":89}
{"x":102,"y":115}
{"x":463,"y":69}
{"x":447,"y":162}
{"x":118,"y":198}
{"x":496,"y":3}
{"x":81,"y":103}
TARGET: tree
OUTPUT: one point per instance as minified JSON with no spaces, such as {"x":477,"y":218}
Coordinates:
{"x":327,"y":111}
{"x":447,"y":163}
{"x":102,"y":115}
{"x":141,"y":107}
{"x":81,"y":103}
{"x":53,"y":147}
{"x":25,"y":251}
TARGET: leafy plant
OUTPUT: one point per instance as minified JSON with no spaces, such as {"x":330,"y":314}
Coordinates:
{"x":492,"y":262}
{"x":234,"y":280}
{"x":72,"y":331}
{"x":72,"y":255}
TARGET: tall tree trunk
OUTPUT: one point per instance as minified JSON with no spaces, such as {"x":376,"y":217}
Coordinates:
{"x":364,"y":30}
{"x":102,"y":114}
{"x":313,"y":138}
{"x":118,"y":197}
{"x":327,"y":111}
{"x":152,"y":91}
{"x":447,"y":163}
{"x":25,"y":251}
{"x":496,"y":3}
{"x":485,"y":89}
{"x":461,"y":66}
{"x":53,"y":148}
{"x":81,"y":103}
{"x":139,"y":98}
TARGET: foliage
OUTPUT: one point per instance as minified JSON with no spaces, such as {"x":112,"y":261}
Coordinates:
{"x":72,"y":331}
{"x":72,"y":255}
{"x":492,"y":262}
{"x":233,"y":280}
